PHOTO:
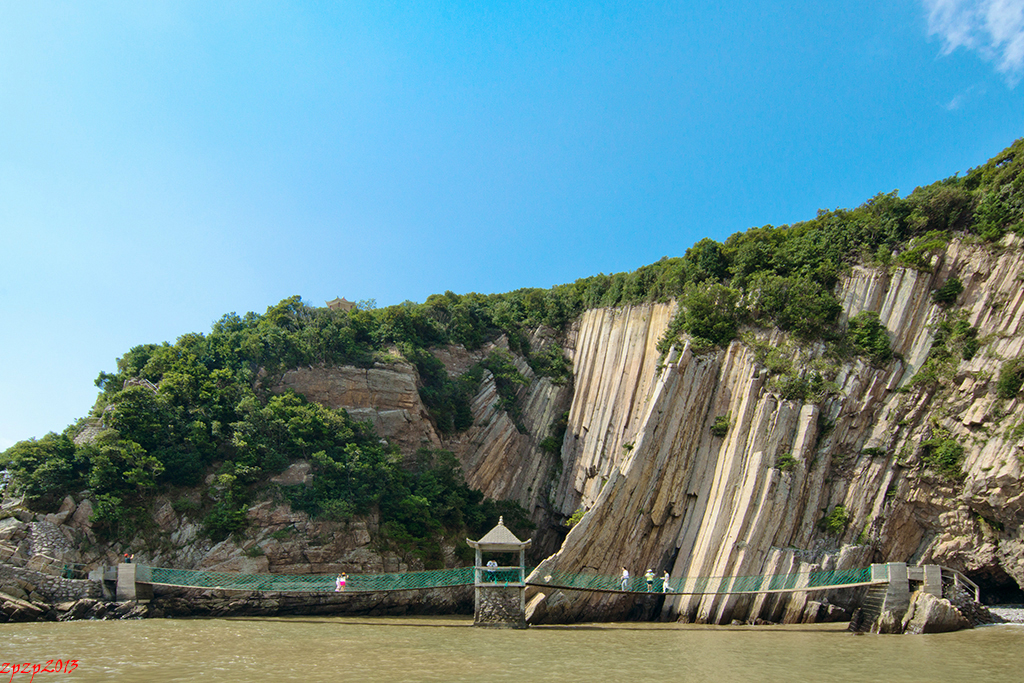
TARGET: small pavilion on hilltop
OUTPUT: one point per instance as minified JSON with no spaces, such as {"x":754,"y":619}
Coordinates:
{"x":341,"y":304}
{"x":500,"y":598}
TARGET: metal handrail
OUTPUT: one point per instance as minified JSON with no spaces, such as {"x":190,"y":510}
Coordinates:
{"x":959,"y":578}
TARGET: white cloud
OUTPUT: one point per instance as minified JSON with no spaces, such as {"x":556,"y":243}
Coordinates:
{"x":963,"y":96}
{"x":992,"y":28}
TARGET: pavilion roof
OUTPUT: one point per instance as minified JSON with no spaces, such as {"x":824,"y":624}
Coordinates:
{"x":499,"y":539}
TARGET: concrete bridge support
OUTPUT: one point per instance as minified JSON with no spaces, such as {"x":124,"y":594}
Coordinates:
{"x":897,"y":595}
{"x":893,"y":611}
{"x":127,"y":586}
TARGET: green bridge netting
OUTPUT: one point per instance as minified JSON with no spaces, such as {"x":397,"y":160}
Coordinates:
{"x":356,"y":583}
{"x":708,"y":585}
{"x":465,"y":576}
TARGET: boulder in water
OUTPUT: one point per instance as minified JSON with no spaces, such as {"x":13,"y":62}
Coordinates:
{"x":929,"y":614}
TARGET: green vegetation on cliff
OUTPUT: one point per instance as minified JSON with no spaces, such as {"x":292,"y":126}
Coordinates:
{"x":783,"y":277}
{"x":172,"y":415}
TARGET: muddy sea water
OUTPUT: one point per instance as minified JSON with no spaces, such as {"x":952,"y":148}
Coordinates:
{"x":354,"y":649}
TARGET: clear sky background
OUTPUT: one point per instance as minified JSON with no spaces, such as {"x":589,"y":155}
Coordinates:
{"x":165,"y":163}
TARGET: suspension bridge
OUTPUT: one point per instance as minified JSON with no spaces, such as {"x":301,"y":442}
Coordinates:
{"x":500,"y":591}
{"x":498,"y":576}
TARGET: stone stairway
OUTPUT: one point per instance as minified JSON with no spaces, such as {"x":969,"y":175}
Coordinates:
{"x":867,"y":614}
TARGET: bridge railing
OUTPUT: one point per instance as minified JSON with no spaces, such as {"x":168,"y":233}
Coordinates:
{"x":707,"y":585}
{"x":463,"y":576}
{"x":500,"y":576}
{"x":959,"y":579}
{"x":291,"y":583}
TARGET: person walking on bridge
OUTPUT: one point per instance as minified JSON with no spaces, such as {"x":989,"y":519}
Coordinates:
{"x":664,"y":584}
{"x":649,"y":577}
{"x":625,"y":578}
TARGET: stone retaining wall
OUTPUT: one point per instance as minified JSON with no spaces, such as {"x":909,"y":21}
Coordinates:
{"x":27,"y":584}
{"x":13,"y":555}
{"x":46,"y":538}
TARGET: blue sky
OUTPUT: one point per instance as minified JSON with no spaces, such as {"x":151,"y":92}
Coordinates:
{"x":164,"y":163}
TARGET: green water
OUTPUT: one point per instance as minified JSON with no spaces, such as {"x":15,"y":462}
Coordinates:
{"x":355,"y":649}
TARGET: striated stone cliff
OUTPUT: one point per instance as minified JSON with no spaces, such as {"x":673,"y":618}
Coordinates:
{"x":506,"y":461}
{"x":780,"y":484}
{"x":665,"y":492}
{"x":502,"y":459}
{"x":662,"y":490}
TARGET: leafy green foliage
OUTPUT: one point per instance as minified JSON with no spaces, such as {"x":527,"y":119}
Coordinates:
{"x":708,"y":313}
{"x":919,"y":255}
{"x":416,"y":504}
{"x":836,"y":521}
{"x":944,"y":455}
{"x":45,"y":469}
{"x":939,"y":207}
{"x":552,"y":443}
{"x":114,"y":518}
{"x":958,"y":336}
{"x":507,"y":379}
{"x":869,"y":337}
{"x":447,"y":399}
{"x":1011,"y":378}
{"x":795,"y":303}
{"x":721,"y":425}
{"x":575,"y":518}
{"x":808,"y":387}
{"x":955,"y":340}
{"x":997,"y":189}
{"x":785,"y":462}
{"x":778,"y":359}
{"x":551,"y":362}
{"x":946,"y":294}
{"x":705,"y":261}
{"x":225,"y":518}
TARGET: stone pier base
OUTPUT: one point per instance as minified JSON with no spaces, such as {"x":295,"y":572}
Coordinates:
{"x":500,"y":607}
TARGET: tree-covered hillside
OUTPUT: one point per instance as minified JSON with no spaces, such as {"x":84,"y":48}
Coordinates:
{"x":172,"y":414}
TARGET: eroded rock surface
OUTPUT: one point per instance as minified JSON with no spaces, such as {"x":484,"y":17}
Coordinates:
{"x":665,"y":492}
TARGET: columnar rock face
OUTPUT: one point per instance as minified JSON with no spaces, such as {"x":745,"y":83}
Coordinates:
{"x":501,"y":458}
{"x":504,"y":460}
{"x":615,"y":366}
{"x":795,"y":485}
{"x":785,"y":482}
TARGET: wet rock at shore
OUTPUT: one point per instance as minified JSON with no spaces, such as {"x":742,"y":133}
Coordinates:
{"x":15,"y":609}
{"x":929,"y":614}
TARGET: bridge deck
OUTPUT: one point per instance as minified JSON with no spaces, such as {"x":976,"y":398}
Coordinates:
{"x":464,"y":576}
{"x":800,"y":589}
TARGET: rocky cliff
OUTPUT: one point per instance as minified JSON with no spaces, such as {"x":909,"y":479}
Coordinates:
{"x":501,"y":458}
{"x":702,"y":462}
{"x":664,"y":491}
